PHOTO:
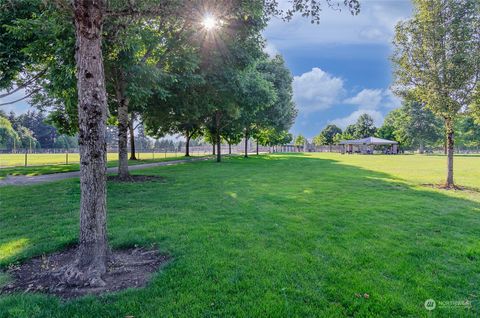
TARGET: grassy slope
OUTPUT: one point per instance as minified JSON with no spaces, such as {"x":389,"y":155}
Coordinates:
{"x":272,"y":236}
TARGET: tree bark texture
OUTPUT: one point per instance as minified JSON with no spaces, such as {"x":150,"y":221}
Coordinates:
{"x":123,"y":128}
{"x":450,"y":150}
{"x":133,"y":155}
{"x":91,"y":262}
{"x":187,"y":145}
{"x":217,"y":136}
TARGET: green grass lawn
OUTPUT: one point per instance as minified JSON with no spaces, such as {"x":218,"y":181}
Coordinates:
{"x":38,"y":159}
{"x":59,"y":168}
{"x":270,"y":236}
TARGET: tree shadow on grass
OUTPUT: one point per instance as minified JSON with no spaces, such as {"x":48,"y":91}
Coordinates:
{"x":276,"y":230}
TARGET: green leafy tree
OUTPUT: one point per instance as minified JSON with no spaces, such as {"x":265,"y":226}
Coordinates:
{"x":9,"y":138}
{"x":437,"y":60}
{"x":300,"y":141}
{"x":468,"y":132}
{"x":280,"y":116}
{"x":349,"y":132}
{"x":257,"y":94}
{"x":412,"y":125}
{"x":364,"y":127}
{"x":319,"y":140}
{"x":329,"y":133}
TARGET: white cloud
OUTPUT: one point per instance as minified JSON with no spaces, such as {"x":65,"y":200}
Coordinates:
{"x":374,"y":24}
{"x":367,"y":99}
{"x":271,"y":50}
{"x":374,"y":99}
{"x":391,"y":100}
{"x":316,"y":90}
{"x":371,"y":102}
{"x":352,"y":118}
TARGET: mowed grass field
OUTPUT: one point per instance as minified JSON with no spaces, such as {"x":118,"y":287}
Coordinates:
{"x":287,"y":235}
{"x":39,"y":164}
{"x":39,"y":159}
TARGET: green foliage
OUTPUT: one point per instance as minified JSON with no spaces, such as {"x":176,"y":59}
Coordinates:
{"x":412,"y":125}
{"x":300,"y":140}
{"x":272,"y":137}
{"x":8,"y":136}
{"x":364,"y":127}
{"x":327,"y":135}
{"x":437,"y":57}
{"x":319,"y":140}
{"x":468,"y":132}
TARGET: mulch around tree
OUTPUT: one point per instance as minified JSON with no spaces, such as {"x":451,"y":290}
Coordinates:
{"x":128,"y":268}
{"x":135,"y":178}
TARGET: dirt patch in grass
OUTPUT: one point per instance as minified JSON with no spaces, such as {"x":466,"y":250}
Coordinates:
{"x":454,"y":188}
{"x":136,"y":178}
{"x":127,"y":268}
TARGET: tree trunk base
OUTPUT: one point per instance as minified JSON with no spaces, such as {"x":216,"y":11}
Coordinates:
{"x":73,"y":276}
{"x":445,"y":186}
{"x":56,"y":274}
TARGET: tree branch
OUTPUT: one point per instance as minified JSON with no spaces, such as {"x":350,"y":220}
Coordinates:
{"x":22,"y":86}
{"x":20,"y":99}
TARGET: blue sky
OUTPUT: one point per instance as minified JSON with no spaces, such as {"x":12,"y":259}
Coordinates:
{"x":341,"y":67}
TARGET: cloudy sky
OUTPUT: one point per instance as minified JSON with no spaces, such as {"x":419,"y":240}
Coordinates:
{"x":341,"y":67}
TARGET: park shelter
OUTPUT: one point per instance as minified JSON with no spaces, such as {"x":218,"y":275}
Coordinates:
{"x":367,"y":145}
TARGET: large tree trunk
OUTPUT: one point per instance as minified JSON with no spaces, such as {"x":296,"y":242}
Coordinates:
{"x":218,"y":139}
{"x":257,"y":147}
{"x":229,"y":148}
{"x":91,"y":261}
{"x":187,"y":144}
{"x":123,"y":127}
{"x":246,"y":143}
{"x":213,"y":147}
{"x":450,"y":144}
{"x":219,"y":148}
{"x":133,"y":155}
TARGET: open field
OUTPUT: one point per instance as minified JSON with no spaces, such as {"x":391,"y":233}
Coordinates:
{"x":59,"y":168}
{"x":38,"y":159}
{"x":270,"y":236}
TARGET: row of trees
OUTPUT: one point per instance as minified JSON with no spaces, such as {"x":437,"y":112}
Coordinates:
{"x":412,"y":125}
{"x":89,"y":59}
{"x":31,"y":130}
{"x":332,"y":134}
